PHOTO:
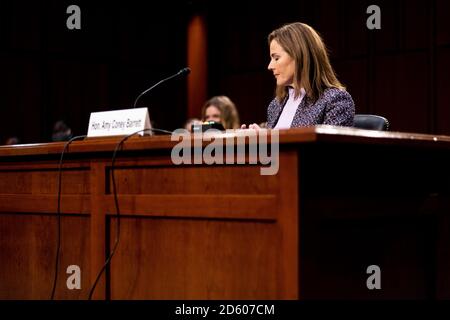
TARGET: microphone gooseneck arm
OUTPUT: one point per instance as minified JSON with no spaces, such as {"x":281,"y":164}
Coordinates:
{"x":179,"y":73}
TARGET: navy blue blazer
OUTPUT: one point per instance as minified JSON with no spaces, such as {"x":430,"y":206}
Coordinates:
{"x":334,"y":107}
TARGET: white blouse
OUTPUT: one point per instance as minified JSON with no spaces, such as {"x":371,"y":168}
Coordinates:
{"x":289,"y":110}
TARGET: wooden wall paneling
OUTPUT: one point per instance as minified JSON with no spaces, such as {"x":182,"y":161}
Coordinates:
{"x":196,"y":180}
{"x":227,"y":242}
{"x":74,"y":181}
{"x":256,"y":56}
{"x":405,"y":107}
{"x":154,"y":40}
{"x":388,"y":39}
{"x":22,"y":88}
{"x":195,"y":259}
{"x":78,"y":88}
{"x":18,"y":241}
{"x":97,"y":229}
{"x":343,"y":238}
{"x":5,"y":27}
{"x":27,"y":26}
{"x":239,"y":57}
{"x":443,"y":85}
{"x":329,"y":25}
{"x":15,"y":182}
{"x":28,"y":240}
{"x":442,"y":22}
{"x":354,"y":32}
{"x":289,"y":254}
{"x":443,"y":249}
{"x":416,"y":24}
{"x":70,"y":204}
{"x":146,"y":56}
{"x":28,"y":251}
{"x":27,"y":189}
{"x":75,"y":245}
{"x":27,"y":93}
{"x":353,"y":73}
{"x":76,"y":72}
{"x":196,"y":206}
{"x":197,"y":50}
{"x":188,"y":190}
{"x":252,"y":108}
{"x":113,"y":58}
{"x":96,"y":40}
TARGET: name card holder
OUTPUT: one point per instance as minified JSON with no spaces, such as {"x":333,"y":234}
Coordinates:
{"x":119,"y":122}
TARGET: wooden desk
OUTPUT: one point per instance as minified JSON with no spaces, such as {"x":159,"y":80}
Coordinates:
{"x":343,"y":199}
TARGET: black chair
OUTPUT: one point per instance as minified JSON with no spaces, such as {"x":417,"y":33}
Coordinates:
{"x":371,"y":122}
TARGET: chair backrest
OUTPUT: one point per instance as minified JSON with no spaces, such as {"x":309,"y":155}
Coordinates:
{"x":371,"y":122}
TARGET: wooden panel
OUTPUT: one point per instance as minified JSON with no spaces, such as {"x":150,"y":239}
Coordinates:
{"x":77,"y":85}
{"x":97,"y":34}
{"x":27,"y":26}
{"x":98,"y":229}
{"x":443,"y":85}
{"x":337,"y":254}
{"x":195,"y":259}
{"x":329,"y":26}
{"x":387,"y":39}
{"x":186,"y":180}
{"x":63,"y":70}
{"x":44,"y":203}
{"x":443,"y":254}
{"x":236,"y":87}
{"x":73,"y":181}
{"x":384,"y":216}
{"x":354,"y":75}
{"x":28,"y":250}
{"x":288,"y":221}
{"x":443,"y":22}
{"x":417,"y":25}
{"x":60,"y":70}
{"x":197,"y":50}
{"x":20,"y":74}
{"x":199,"y":206}
{"x":355,"y":31}
{"x":209,"y":259}
{"x":5,"y":22}
{"x":27,"y":181}
{"x":15,"y":182}
{"x":406,"y":109}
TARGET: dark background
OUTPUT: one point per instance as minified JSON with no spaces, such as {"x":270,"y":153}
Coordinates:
{"x":49,"y":72}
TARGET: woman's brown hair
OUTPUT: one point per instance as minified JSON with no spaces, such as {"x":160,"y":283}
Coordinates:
{"x":313,"y":70}
{"x":228,"y":113}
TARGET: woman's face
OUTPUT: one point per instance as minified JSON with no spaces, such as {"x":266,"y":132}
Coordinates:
{"x":281,"y":64}
{"x":212,"y":113}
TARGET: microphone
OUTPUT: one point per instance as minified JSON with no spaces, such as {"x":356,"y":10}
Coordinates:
{"x":182,"y":72}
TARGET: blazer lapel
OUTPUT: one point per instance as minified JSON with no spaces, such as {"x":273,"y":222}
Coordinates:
{"x":279,"y":111}
{"x":306,"y":102}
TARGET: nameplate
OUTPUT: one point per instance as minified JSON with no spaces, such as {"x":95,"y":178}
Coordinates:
{"x":119,"y":122}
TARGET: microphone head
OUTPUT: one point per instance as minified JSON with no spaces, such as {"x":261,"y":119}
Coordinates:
{"x":184,"y":71}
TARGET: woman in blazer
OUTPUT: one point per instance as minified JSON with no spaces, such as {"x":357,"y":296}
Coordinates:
{"x":307,"y":89}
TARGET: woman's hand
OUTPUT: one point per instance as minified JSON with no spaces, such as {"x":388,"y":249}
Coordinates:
{"x":251,"y":126}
